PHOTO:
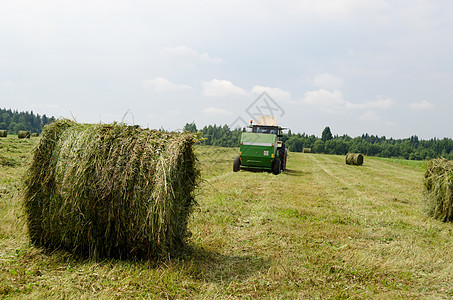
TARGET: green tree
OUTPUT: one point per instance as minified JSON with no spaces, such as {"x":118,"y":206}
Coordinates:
{"x":326,"y":134}
{"x":295,"y":144}
{"x":19,"y":126}
{"x":190,"y":127}
{"x":318,"y":147}
{"x":12,"y":127}
{"x":6,"y":118}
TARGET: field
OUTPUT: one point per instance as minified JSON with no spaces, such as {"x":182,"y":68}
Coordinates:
{"x":322,"y":229}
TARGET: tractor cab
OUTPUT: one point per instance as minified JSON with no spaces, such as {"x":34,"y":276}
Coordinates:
{"x":264,"y":129}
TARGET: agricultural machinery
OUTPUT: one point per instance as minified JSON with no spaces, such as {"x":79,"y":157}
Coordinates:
{"x":261,"y":147}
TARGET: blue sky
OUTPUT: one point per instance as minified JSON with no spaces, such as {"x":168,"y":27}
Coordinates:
{"x":378,"y":67}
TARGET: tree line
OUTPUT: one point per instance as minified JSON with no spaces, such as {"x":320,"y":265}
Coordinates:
{"x":372,"y":145}
{"x":13,"y":121}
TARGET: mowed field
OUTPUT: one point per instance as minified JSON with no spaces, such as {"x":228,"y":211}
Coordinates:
{"x":322,"y":230}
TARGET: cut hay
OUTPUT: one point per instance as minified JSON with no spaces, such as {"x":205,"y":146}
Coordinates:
{"x":22,"y":134}
{"x":438,"y":185}
{"x":355,"y":159}
{"x":306,"y":150}
{"x":110,"y":190}
{"x":3,"y":133}
{"x":9,"y":161}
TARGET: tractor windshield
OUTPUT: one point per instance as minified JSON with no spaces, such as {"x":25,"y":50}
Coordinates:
{"x":265,"y":129}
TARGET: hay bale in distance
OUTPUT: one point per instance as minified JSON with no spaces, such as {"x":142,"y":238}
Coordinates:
{"x":3,"y":133}
{"x":22,"y":134}
{"x":35,"y":134}
{"x":110,"y":190}
{"x":355,"y":159}
{"x":306,"y":150}
{"x":438,"y":184}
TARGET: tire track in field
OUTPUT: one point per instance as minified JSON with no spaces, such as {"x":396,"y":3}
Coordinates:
{"x":324,"y":164}
{"x":383,"y":172}
{"x":377,"y":182}
{"x":398,"y":170}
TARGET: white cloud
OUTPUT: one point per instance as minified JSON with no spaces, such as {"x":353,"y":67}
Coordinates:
{"x":369,"y":115}
{"x":325,"y":99}
{"x":174,"y":112}
{"x":334,"y":102}
{"x":7,"y":83}
{"x":327,"y":81}
{"x":382,"y":102}
{"x":422,"y":105}
{"x":190,"y":53}
{"x":162,"y":84}
{"x":221,"y":88}
{"x":215,"y":111}
{"x":327,"y":10}
{"x":46,"y":105}
{"x":276,"y":93}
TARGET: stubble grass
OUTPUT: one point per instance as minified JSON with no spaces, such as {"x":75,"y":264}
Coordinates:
{"x":322,"y":229}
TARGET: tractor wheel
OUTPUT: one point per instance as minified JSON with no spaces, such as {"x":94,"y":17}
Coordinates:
{"x":282,"y":152}
{"x":286,"y":157}
{"x":276,"y":166}
{"x":236,"y":164}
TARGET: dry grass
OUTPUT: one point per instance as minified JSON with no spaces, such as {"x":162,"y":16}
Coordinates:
{"x":355,"y":159}
{"x":318,"y":230}
{"x":23,"y":134}
{"x":110,"y":190}
{"x":439,"y":189}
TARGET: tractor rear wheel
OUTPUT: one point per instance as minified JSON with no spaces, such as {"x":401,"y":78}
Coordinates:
{"x":276,"y":166}
{"x":286,"y":157}
{"x":236,"y":164}
{"x":282,"y":154}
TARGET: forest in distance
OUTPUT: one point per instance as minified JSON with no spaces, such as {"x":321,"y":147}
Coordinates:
{"x":13,"y":121}
{"x":411,"y":148}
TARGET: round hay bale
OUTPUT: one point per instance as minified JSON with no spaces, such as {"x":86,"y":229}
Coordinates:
{"x":438,"y":184}
{"x":110,"y":190}
{"x":306,"y":150}
{"x":3,"y":133}
{"x":22,"y":134}
{"x":355,"y":159}
{"x":35,"y":134}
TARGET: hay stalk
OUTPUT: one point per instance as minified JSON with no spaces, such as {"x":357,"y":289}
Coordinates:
{"x":111,"y":190}
{"x":438,"y":184}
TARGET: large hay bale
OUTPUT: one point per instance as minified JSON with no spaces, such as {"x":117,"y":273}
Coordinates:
{"x":355,"y":159}
{"x":22,"y":134}
{"x":35,"y":134}
{"x":438,"y":185}
{"x":306,"y":150}
{"x":3,"y":133}
{"x":110,"y":190}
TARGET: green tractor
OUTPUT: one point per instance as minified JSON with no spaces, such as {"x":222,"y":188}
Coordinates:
{"x":261,"y":148}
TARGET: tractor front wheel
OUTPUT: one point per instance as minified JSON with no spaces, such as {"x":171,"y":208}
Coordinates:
{"x":236,"y":164}
{"x":276,"y":166}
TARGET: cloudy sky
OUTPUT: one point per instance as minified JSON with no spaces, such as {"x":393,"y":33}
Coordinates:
{"x":380,"y":67}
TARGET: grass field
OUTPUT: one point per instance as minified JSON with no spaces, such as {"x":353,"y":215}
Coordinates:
{"x":322,"y":229}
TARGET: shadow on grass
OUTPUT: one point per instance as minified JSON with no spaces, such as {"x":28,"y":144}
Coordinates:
{"x":255,"y":170}
{"x":192,"y":261}
{"x":290,"y":172}
{"x":219,"y":268}
{"x":294,"y":172}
